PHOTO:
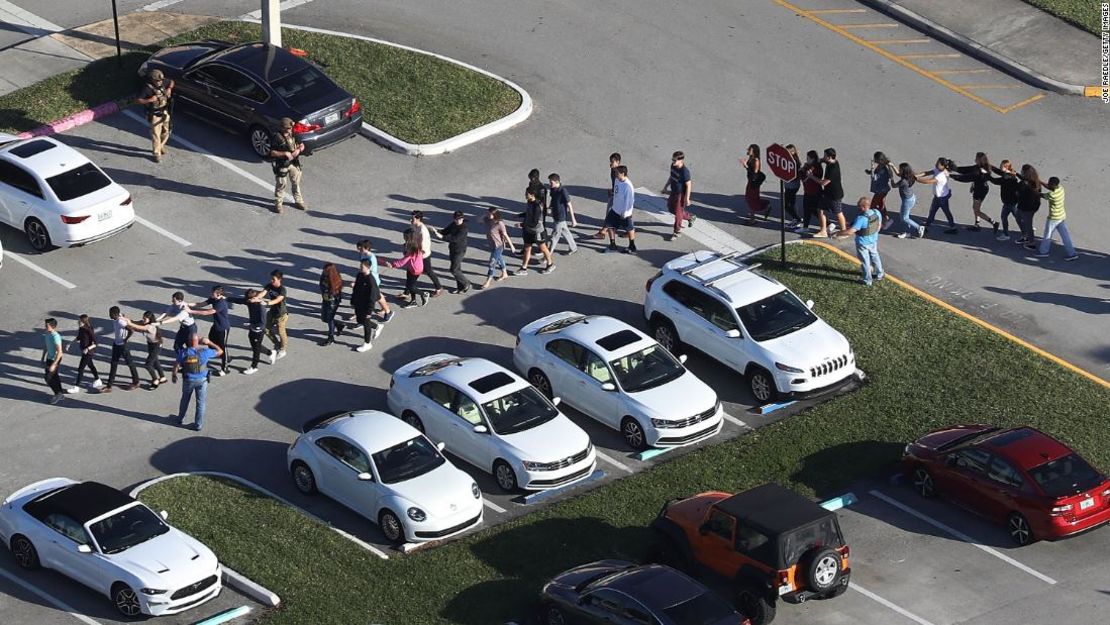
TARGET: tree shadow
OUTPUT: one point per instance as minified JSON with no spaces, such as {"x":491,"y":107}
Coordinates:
{"x":829,"y":469}
{"x":1089,"y":305}
{"x":398,"y":356}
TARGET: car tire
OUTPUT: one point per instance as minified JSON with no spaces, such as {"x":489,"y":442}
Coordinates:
{"x":835,"y":592}
{"x":633,"y":434}
{"x":410,"y":418}
{"x":260,"y":141}
{"x":125,"y":600}
{"x":762,"y":385}
{"x":664,"y":333}
{"x":552,"y":615}
{"x":303,"y":478}
{"x":539,"y":380}
{"x":923,"y":483}
{"x":822,"y":570}
{"x":390,"y":525}
{"x":1017,"y":526}
{"x":505,"y":476}
{"x":755,"y":604}
{"x":37,"y":235}
{"x":26,"y":556}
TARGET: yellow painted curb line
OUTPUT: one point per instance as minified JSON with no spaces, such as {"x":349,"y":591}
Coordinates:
{"x":970,"y":317}
{"x":1092,"y":92}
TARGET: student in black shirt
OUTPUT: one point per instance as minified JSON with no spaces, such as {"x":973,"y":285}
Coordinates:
{"x":832,"y":191}
{"x":364,"y":294}
{"x":456,"y":234}
{"x":254,"y":301}
{"x":1010,"y":183}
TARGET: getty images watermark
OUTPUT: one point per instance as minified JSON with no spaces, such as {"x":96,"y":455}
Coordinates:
{"x":1105,"y":48}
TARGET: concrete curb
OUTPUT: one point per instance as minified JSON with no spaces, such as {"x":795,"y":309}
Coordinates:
{"x":251,"y":589}
{"x":973,"y":48}
{"x":72,"y":121}
{"x":447,"y":145}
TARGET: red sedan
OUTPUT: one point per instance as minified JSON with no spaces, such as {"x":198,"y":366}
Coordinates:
{"x":1022,"y":477}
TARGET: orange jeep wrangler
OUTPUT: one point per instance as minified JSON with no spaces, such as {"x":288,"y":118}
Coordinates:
{"x":769,"y":542}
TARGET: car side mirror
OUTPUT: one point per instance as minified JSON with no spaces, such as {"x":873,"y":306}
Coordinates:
{"x":555,"y":401}
{"x":83,"y":548}
{"x":165,"y":515}
{"x":365,"y":477}
{"x":703,"y":529}
{"x":809,"y":304}
{"x":441,"y":446}
{"x":682,"y":358}
{"x":952,"y":461}
{"x":481,"y":429}
{"x":733,"y":333}
{"x":608,"y":386}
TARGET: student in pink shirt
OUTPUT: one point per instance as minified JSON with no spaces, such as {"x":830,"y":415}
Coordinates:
{"x":413,"y":264}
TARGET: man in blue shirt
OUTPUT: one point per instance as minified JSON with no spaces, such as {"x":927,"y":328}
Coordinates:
{"x":193,"y":361}
{"x":866,"y":228}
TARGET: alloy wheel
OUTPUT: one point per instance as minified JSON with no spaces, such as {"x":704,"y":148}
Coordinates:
{"x":505,"y":477}
{"x":391,"y":527}
{"x":633,"y":434}
{"x":555,"y":616}
{"x":127,"y":602}
{"x":825,"y":571}
{"x":1020,"y":532}
{"x":37,"y":235}
{"x":303,"y":478}
{"x":761,"y":386}
{"x":923,"y":483}
{"x":665,"y":337}
{"x":540,"y":381}
{"x":260,"y":142}
{"x":24,"y":552}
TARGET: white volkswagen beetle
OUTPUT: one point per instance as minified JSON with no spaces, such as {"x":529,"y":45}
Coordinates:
{"x":387,"y":471}
{"x":56,"y":196}
{"x":110,"y":542}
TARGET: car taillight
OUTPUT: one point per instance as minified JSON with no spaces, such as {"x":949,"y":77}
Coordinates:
{"x":784,"y":579}
{"x":126,"y":202}
{"x":66,"y":219}
{"x":301,"y":128}
{"x":746,"y":621}
{"x":1060,"y":510}
{"x":355,"y":107}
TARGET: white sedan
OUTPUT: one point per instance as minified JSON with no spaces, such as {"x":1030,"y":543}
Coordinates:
{"x":388,"y":472}
{"x":616,"y":374}
{"x":108,"y":541}
{"x":56,"y":196}
{"x":492,"y":419}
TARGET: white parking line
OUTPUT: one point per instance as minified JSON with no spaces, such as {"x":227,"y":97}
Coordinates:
{"x":899,"y":609}
{"x":964,"y":537}
{"x":284,"y":6}
{"x":612,"y":461}
{"x":162,"y":231}
{"x":161,"y":4}
{"x":702,"y":231}
{"x":492,"y":506}
{"x":57,"y":603}
{"x":26,"y":21}
{"x":733,"y":420}
{"x":39,"y":270}
{"x":196,"y":148}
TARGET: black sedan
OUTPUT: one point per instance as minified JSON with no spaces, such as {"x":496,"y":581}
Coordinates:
{"x":249,"y":87}
{"x":616,"y":592}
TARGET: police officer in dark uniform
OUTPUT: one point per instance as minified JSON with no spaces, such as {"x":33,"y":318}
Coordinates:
{"x":286,"y":152}
{"x":156,"y":96}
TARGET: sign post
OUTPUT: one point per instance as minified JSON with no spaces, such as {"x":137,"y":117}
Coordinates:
{"x":783,"y":166}
{"x":271,"y":22}
{"x":115,"y":22}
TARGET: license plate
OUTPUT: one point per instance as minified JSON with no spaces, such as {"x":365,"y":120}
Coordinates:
{"x":1086,"y":503}
{"x":331,"y":118}
{"x":105,"y":216}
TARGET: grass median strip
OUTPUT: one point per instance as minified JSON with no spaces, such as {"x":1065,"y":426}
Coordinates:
{"x":1082,"y":13}
{"x":926,"y":367}
{"x":414,"y":97}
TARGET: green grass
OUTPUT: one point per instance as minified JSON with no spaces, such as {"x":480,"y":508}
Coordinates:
{"x":926,"y":367}
{"x":412,"y":96}
{"x":1083,"y":13}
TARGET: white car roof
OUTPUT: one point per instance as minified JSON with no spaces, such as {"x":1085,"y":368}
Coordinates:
{"x":460,"y":372}
{"x":373,"y":429}
{"x":47,"y":163}
{"x":728,"y":276}
{"x":594,"y":328}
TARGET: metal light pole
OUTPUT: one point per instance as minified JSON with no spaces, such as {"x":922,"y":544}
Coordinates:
{"x":115,"y":21}
{"x":271,"y":22}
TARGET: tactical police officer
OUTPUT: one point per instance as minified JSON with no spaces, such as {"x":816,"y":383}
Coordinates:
{"x":285,"y":151}
{"x":156,"y":97}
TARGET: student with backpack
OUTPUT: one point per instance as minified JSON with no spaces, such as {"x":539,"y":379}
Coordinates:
{"x":866,"y":228}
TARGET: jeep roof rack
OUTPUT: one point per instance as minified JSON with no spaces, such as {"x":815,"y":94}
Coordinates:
{"x":700,"y":263}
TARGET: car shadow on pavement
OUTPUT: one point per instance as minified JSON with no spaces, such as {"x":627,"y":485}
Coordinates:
{"x":828,"y":469}
{"x":558,"y":544}
{"x":84,"y":600}
{"x":295,"y":402}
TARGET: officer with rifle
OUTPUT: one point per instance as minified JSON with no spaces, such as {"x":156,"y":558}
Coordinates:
{"x":157,"y":98}
{"x":286,"y":151}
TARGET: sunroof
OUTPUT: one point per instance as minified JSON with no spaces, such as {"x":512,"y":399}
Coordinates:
{"x":432,"y":367}
{"x":555,"y":326}
{"x":618,"y":340}
{"x":491,"y":382}
{"x":31,"y":148}
{"x":1012,"y":436}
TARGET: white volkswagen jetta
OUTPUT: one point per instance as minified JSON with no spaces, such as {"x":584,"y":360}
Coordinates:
{"x":620,"y":377}
{"x":56,"y":196}
{"x":493,"y":419}
{"x":388,"y":472}
{"x":108,"y":541}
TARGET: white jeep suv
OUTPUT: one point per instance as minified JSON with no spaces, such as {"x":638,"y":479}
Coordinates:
{"x":720,"y":306}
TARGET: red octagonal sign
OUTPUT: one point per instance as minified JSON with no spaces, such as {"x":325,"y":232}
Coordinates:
{"x":781,"y":162}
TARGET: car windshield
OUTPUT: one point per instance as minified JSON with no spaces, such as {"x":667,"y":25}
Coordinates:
{"x":77,"y":182}
{"x":1065,"y":476}
{"x":410,"y":459}
{"x":519,"y":411}
{"x":775,"y":316}
{"x":301,"y":86}
{"x":127,"y":528}
{"x":704,"y":609}
{"x":647,"y":368}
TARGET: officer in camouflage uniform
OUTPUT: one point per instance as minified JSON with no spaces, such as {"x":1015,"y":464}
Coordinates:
{"x":286,"y":152}
{"x":156,"y":97}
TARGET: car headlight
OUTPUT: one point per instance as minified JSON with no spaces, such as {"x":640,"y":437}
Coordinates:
{"x":474,"y":490}
{"x":788,"y":368}
{"x":416,"y":514}
{"x":153,"y":591}
{"x":662,"y":424}
{"x":534,"y":466}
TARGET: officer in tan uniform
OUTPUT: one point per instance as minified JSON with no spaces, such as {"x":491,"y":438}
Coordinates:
{"x":156,"y":97}
{"x":285,"y":151}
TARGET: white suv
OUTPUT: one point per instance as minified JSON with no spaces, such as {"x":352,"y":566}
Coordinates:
{"x":718,"y":305}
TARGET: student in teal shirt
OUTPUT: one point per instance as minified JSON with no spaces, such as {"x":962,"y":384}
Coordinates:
{"x":52,"y":359}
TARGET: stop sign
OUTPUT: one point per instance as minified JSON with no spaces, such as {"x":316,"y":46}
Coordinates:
{"x":781,"y":163}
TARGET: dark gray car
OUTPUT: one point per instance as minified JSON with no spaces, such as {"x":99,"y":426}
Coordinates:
{"x":248,"y":88}
{"x":615,"y":592}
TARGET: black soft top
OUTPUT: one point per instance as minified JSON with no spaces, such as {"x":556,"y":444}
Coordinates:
{"x":773,"y":509}
{"x":81,"y":502}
